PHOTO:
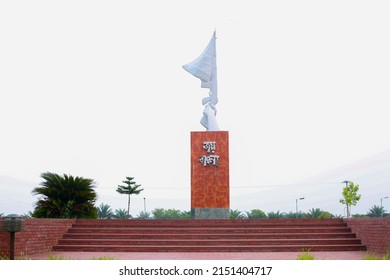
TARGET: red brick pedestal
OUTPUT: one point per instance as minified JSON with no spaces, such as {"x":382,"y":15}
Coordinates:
{"x":210,"y":175}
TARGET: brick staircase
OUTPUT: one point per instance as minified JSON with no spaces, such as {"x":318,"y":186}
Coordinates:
{"x":263,"y":235}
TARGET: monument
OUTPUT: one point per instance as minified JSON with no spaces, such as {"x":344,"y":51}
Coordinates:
{"x":210,"y":191}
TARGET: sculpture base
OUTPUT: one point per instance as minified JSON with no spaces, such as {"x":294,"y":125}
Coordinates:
{"x":210,"y":213}
{"x":210,"y":175}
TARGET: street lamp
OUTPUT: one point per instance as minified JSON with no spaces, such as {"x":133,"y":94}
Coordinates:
{"x":381,"y":203}
{"x":296,"y":206}
{"x":144,"y":204}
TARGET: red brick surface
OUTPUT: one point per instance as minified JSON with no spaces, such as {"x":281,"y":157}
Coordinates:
{"x":38,"y":236}
{"x":373,"y":232}
{"x":210,"y":184}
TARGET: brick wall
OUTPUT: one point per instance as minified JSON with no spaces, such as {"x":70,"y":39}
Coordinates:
{"x":38,"y":236}
{"x":373,"y":232}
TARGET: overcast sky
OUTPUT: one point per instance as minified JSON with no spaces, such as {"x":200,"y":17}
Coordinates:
{"x":96,"y":89}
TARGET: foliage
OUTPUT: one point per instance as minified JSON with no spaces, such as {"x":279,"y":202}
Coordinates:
{"x":104,"y":258}
{"x":370,"y":256}
{"x":376,"y":211}
{"x":27,"y":215}
{"x":121,"y":214}
{"x":129,"y":188}
{"x":104,"y":211}
{"x":1,"y":215}
{"x":236,"y":214}
{"x":326,"y":215}
{"x":317,"y":213}
{"x":255,"y":214}
{"x":350,"y":197}
{"x":314,"y":213}
{"x":305,"y":255}
{"x":65,"y":197}
{"x":55,"y":258}
{"x":275,"y":215}
{"x":293,"y":215}
{"x":144,"y":215}
{"x":162,"y":214}
{"x":359,"y":216}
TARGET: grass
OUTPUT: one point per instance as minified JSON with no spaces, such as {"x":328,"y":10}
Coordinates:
{"x":370,"y":256}
{"x":61,"y":258}
{"x":305,"y":255}
{"x":104,"y":258}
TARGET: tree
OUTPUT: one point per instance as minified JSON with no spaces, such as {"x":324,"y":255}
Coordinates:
{"x":255,"y":214}
{"x":350,"y":196}
{"x":376,"y":211}
{"x":144,"y":215}
{"x":160,"y":214}
{"x":275,"y":215}
{"x":236,"y":214}
{"x":65,"y":197}
{"x":314,"y":213}
{"x":326,"y":215}
{"x":130,"y":188}
{"x":121,"y":214}
{"x":294,"y":215}
{"x":104,"y":211}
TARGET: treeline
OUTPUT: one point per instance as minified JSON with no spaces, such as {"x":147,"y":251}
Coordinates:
{"x":105,"y":212}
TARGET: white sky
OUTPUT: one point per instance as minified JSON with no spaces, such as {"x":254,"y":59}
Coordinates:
{"x":96,"y":89}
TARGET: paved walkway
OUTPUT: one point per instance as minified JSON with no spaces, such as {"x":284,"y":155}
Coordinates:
{"x":353,"y":255}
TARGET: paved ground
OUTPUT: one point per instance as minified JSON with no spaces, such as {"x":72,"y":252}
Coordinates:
{"x":199,"y":256}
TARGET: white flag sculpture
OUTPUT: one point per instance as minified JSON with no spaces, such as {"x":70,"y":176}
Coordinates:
{"x":205,"y":68}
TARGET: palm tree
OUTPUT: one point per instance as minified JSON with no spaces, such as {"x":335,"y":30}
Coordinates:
{"x":376,"y":211}
{"x":104,"y":211}
{"x":121,"y":214}
{"x":275,"y":215}
{"x":236,"y":214}
{"x":144,"y":215}
{"x":256,"y":214}
{"x":65,"y":197}
{"x":130,"y":188}
{"x":294,"y":215}
{"x":314,"y":213}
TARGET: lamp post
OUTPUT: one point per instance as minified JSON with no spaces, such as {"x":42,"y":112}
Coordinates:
{"x":296,"y":206}
{"x":381,"y":203}
{"x":144,"y":204}
{"x":12,"y":224}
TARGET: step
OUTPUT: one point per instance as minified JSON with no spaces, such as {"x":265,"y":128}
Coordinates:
{"x":169,"y":230}
{"x":215,"y":248}
{"x":262,"y":235}
{"x":210,"y":223}
{"x":208,"y":235}
{"x":185,"y":242}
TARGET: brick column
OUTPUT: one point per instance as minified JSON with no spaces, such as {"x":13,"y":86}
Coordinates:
{"x":210,"y":175}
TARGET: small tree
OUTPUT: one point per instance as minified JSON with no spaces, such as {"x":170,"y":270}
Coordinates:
{"x":65,"y":197}
{"x":275,"y":215}
{"x":130,"y":188}
{"x":350,"y":196}
{"x":121,"y":214}
{"x":314,"y":213}
{"x":104,"y":211}
{"x":256,"y":214}
{"x":144,"y":215}
{"x":376,"y":211}
{"x":236,"y":214}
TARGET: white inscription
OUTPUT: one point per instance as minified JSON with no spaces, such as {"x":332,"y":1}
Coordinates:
{"x":210,"y":159}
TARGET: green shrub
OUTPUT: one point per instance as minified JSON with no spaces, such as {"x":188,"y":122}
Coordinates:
{"x":305,"y":255}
